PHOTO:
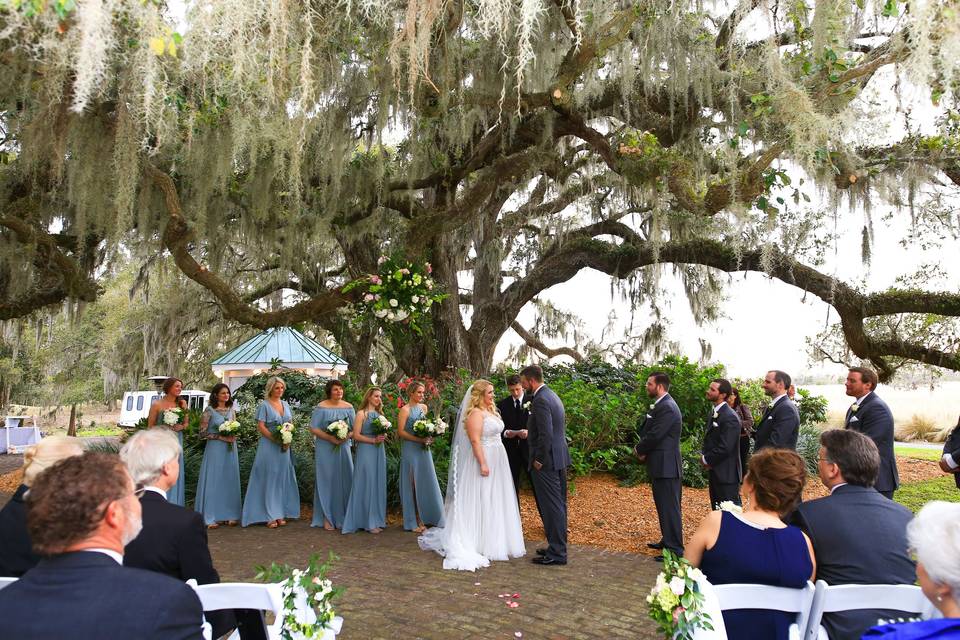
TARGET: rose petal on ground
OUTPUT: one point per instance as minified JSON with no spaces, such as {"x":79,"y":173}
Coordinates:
{"x":513,"y":605}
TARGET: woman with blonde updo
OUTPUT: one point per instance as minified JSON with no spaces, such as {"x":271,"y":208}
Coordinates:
{"x":482,"y":518}
{"x":16,"y":553}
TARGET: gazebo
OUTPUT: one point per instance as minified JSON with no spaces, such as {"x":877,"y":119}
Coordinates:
{"x":286,"y":344}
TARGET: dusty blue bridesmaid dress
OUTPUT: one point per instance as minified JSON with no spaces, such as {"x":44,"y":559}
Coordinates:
{"x":419,"y":489}
{"x":334,"y":468}
{"x":218,"y":488}
{"x":272,"y":492}
{"x":367,"y":508}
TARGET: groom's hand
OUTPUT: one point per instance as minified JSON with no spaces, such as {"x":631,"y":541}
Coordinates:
{"x":522,"y":434}
{"x":537,"y":465}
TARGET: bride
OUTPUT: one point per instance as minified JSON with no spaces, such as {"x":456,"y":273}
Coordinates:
{"x":482,"y":519}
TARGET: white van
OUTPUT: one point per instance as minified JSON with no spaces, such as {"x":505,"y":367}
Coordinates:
{"x":136,"y":404}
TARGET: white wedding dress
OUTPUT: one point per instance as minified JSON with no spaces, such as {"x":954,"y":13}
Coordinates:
{"x":482,"y":519}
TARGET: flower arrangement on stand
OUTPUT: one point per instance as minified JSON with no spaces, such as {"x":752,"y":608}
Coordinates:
{"x":302,"y":589}
{"x":676,"y":602}
{"x":400,"y":292}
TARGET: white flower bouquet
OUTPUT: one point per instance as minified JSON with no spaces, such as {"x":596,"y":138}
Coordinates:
{"x":172,"y":417}
{"x":428,"y":427}
{"x":339,"y":430}
{"x":229,"y":428}
{"x":676,"y":602}
{"x":284,"y":433}
{"x":381,"y":426}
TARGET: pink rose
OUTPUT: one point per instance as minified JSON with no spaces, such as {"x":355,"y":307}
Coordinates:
{"x":376,"y":279}
{"x":368,"y":297}
{"x":382,"y":259}
{"x":429,"y":268}
{"x":676,"y":614}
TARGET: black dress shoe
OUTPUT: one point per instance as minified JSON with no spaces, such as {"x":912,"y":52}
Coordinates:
{"x":659,"y":559}
{"x":542,"y":551}
{"x":548,"y":561}
{"x":655,"y":545}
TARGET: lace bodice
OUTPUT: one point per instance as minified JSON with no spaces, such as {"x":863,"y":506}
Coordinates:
{"x":492,"y":427}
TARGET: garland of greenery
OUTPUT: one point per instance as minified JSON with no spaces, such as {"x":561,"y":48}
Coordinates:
{"x":311,"y":583}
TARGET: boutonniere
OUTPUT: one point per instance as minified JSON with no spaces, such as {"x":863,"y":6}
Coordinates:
{"x":527,"y":405}
{"x":854,"y":407}
{"x":653,"y":404}
{"x":716,"y":414}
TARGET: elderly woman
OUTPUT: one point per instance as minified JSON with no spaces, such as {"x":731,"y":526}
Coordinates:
{"x":934,"y":536}
{"x":16,"y":554}
{"x":755,"y":546}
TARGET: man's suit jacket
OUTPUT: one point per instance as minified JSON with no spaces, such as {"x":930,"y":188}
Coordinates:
{"x":952,"y":446}
{"x":779,"y":426}
{"x":874,"y":420}
{"x":721,"y":445}
{"x":86,"y":595}
{"x":546,"y":431}
{"x":660,"y":439}
{"x":515,"y":420}
{"x":859,"y":537}
{"x":16,"y":552}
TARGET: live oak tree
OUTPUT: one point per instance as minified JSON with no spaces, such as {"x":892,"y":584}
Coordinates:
{"x":277,"y":149}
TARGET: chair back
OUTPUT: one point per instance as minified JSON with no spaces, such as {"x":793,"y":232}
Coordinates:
{"x":242,"y":595}
{"x":6,"y":582}
{"x":851,"y":597}
{"x":762,"y":596}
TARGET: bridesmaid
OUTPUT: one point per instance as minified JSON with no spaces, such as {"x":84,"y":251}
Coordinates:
{"x":334,"y":463}
{"x":367,"y":508}
{"x":218,"y":489}
{"x":272,"y":492}
{"x":171,"y":400}
{"x":419,"y":489}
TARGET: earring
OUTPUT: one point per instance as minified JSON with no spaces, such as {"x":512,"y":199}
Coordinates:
{"x":939,"y":598}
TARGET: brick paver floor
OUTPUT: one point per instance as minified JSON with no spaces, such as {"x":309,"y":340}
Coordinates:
{"x":395,"y":590}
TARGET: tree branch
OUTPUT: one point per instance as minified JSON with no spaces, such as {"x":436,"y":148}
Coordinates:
{"x":535,"y":343}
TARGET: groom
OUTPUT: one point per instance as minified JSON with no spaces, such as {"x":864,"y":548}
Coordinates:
{"x":549,"y":459}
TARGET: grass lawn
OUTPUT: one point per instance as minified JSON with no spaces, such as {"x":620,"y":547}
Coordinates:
{"x":918,"y":452}
{"x":916,"y":494}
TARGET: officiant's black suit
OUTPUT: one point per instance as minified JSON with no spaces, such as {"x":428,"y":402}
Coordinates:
{"x":779,"y":427}
{"x":952,"y":446}
{"x":874,"y":420}
{"x":518,"y":451}
{"x":547,"y":438}
{"x":174,"y":542}
{"x":721,"y":451}
{"x":660,"y":443}
{"x":858,"y":537}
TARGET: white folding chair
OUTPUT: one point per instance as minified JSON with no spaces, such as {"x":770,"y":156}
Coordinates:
{"x":851,"y":597}
{"x":6,"y":582}
{"x":761,"y":596}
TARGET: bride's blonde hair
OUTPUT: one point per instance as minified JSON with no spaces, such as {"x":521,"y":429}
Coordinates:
{"x":476,"y":401}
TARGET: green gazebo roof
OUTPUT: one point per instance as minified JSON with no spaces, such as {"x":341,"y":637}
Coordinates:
{"x":284,"y":343}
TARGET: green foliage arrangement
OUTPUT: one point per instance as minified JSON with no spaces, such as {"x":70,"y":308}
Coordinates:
{"x":675,"y":602}
{"x":313,"y":586}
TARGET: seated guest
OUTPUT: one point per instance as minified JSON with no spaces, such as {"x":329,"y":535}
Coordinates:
{"x":755,"y":546}
{"x":950,"y":460}
{"x":859,"y":537}
{"x":934,"y":537}
{"x":16,"y":555}
{"x":81,"y":513}
{"x":174,"y":538}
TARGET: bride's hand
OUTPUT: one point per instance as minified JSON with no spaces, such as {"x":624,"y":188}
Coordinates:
{"x":484,"y":470}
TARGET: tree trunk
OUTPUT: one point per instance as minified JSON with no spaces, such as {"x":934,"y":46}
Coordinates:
{"x":72,"y":427}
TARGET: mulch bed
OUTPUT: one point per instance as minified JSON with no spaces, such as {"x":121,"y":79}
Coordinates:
{"x":603,"y":514}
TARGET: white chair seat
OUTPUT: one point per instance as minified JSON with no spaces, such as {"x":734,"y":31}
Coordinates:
{"x":754,"y":596}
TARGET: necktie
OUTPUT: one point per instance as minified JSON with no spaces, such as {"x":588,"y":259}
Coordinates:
{"x":516,"y":404}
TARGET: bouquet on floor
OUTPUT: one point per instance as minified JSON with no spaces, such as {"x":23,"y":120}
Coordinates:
{"x":429,"y":427}
{"x":339,"y":430}
{"x":284,"y":433}
{"x":172,"y":417}
{"x":676,"y":602}
{"x":381,"y":427}
{"x":229,"y":428}
{"x":304,"y":592}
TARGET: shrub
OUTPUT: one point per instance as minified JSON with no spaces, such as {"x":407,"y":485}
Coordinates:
{"x":918,"y":428}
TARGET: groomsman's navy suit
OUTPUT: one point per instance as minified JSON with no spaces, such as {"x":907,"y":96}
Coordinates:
{"x":858,"y":537}
{"x":660,"y":443}
{"x":952,"y":446}
{"x":518,"y":452}
{"x":874,"y":420}
{"x":86,"y":595}
{"x":721,"y":452}
{"x":547,"y":438}
{"x":779,"y":427}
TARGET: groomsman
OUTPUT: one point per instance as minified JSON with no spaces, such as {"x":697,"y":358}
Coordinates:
{"x":721,"y":446}
{"x":514,"y":433}
{"x":780,"y":424}
{"x":659,"y":448}
{"x":950,"y":461}
{"x":871,"y":416}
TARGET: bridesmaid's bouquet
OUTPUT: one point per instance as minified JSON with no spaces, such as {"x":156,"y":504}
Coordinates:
{"x":172,"y":417}
{"x":338,"y":430}
{"x":427,"y":427}
{"x":381,"y":427}
{"x":228,"y":428}
{"x":676,"y":602}
{"x":284,"y":433}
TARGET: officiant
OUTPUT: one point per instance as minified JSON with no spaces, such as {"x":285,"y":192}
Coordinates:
{"x":514,"y":412}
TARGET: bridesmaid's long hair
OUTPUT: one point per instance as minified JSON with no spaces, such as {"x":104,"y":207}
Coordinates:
{"x":366,"y":399}
{"x":180,"y":401}
{"x":217,"y":388}
{"x":476,"y":400}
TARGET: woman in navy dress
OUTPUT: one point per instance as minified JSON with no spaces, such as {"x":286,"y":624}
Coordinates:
{"x":419,"y":490}
{"x":755,"y":546}
{"x":171,"y":400}
{"x":272,"y":492}
{"x":334,"y":464}
{"x":218,"y":488}
{"x":367,"y":508}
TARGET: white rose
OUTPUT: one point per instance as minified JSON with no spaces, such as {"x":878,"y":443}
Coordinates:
{"x":393,"y":302}
{"x":415,"y":299}
{"x":677,"y":585}
{"x":380,"y":313}
{"x":402,"y":315}
{"x":695,"y":574}
{"x":391,"y":316}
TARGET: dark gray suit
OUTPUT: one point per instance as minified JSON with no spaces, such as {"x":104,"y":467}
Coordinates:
{"x":547,"y":438}
{"x":952,"y":446}
{"x":859,"y":537}
{"x":874,"y":420}
{"x":660,"y":443}
{"x":779,"y":427}
{"x":721,"y":451}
